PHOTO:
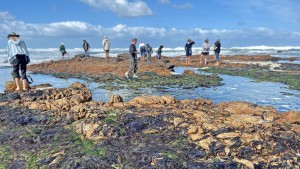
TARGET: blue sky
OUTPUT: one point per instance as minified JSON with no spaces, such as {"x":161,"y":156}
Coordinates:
{"x":47,"y":23}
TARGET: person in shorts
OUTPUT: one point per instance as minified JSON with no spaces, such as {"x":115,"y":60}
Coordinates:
{"x":18,"y":57}
{"x":205,"y":51}
{"x":106,"y":47}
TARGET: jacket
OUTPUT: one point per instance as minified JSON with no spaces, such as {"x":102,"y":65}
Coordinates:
{"x":16,"y":48}
{"x":106,"y":44}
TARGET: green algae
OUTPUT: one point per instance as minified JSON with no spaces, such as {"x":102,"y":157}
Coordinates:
{"x":152,"y":80}
{"x":260,"y":74}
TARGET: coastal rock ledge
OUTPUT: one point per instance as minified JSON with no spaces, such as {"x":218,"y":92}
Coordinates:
{"x":148,"y":132}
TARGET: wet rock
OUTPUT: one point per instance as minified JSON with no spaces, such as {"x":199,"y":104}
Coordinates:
{"x":135,"y":127}
{"x":245,"y":153}
{"x":115,"y":98}
{"x":147,"y":100}
{"x":18,"y":164}
{"x":13,"y":96}
{"x":290,"y":117}
{"x":198,"y":154}
{"x":222,"y":130}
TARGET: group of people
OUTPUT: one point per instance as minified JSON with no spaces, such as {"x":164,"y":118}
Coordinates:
{"x":86,"y":48}
{"x":18,"y":55}
{"x":146,"y":51}
{"x":205,"y":51}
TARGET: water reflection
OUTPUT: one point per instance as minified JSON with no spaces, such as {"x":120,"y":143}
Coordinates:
{"x":235,"y":88}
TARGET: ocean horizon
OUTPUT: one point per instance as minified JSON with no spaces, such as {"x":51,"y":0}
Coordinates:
{"x":39,"y":55}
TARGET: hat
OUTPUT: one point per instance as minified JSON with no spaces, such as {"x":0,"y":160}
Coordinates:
{"x":12,"y":34}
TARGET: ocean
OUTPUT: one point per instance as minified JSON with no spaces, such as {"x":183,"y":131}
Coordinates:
{"x":39,"y":55}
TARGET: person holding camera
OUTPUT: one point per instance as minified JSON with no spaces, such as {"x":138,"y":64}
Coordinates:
{"x":18,"y":57}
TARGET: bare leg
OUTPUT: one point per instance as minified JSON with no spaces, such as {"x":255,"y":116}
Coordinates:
{"x":107,"y":56}
{"x":17,"y":80}
{"x":24,"y":82}
{"x":200,"y":59}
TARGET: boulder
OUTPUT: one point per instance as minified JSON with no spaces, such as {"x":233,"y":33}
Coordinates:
{"x":289,"y":117}
{"x":10,"y":86}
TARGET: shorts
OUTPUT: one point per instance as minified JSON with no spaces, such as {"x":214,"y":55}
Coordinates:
{"x":205,"y":53}
{"x":188,"y":53}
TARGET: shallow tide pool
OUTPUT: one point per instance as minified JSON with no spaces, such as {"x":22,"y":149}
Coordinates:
{"x":235,"y":88}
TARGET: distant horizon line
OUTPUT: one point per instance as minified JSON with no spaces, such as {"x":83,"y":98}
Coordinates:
{"x":258,"y":47}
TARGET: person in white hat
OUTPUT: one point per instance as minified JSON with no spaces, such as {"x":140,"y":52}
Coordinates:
{"x":106,"y":47}
{"x":63,"y":51}
{"x":18,"y":57}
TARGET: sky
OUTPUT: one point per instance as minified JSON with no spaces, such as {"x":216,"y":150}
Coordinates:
{"x":237,"y":23}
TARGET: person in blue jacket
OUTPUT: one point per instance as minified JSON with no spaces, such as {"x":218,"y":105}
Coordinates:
{"x":188,"y":50}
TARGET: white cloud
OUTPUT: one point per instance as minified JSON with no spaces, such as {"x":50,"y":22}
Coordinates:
{"x":122,"y":8}
{"x":6,"y":16}
{"x":120,"y":33}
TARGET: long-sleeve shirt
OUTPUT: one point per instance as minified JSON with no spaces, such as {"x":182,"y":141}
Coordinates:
{"x":106,"y":44}
{"x":86,"y":46}
{"x":133,"y":52}
{"x":16,"y":48}
{"x":218,"y":46}
{"x":62,"y":49}
{"x":188,"y":46}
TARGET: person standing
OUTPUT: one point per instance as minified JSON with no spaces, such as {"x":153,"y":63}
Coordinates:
{"x":142,"y":48}
{"x":159,"y":52}
{"x":188,"y":50}
{"x":18,"y":57}
{"x":86,"y":48}
{"x":149,"y":52}
{"x":205,"y":51}
{"x":217,"y":49}
{"x":63,"y":51}
{"x":133,"y":59}
{"x":106,"y":47}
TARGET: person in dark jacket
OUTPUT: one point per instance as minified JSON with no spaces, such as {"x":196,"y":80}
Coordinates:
{"x":86,"y":48}
{"x":159,"y":51}
{"x":149,"y":52}
{"x":217,"y":49}
{"x":63,"y":51}
{"x":133,"y":59}
{"x":188,"y":50}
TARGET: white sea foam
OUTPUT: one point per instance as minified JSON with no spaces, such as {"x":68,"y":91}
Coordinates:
{"x":39,"y":55}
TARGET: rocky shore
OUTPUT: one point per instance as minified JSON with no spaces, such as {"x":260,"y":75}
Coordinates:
{"x":64,"y":128}
{"x":259,"y":67}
